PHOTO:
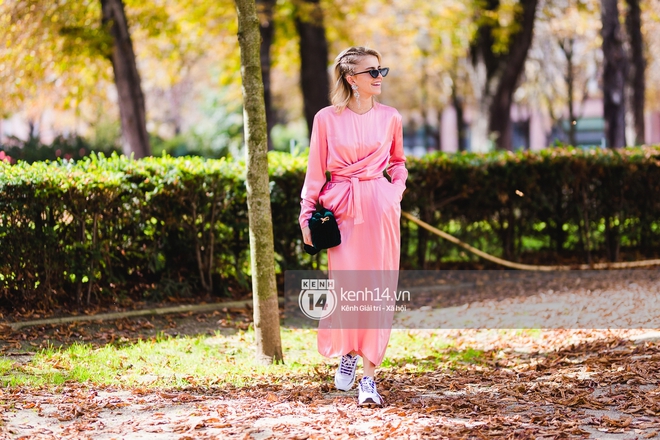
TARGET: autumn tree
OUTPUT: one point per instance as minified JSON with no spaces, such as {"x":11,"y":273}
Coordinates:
{"x":71,"y":41}
{"x":498,"y":55}
{"x":314,"y":80}
{"x":306,"y":18}
{"x":127,"y":79}
{"x":615,"y":70}
{"x":265,"y":10}
{"x":557,"y":82}
{"x":637,"y":73}
{"x":262,"y":256}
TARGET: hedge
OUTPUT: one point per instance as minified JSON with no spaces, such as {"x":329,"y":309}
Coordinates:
{"x":584,"y":204}
{"x":100,"y":227}
{"x":106,"y":228}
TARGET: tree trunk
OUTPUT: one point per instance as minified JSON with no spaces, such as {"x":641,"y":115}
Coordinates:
{"x":637,"y":67}
{"x":127,"y":79}
{"x":262,"y":255}
{"x":502,"y":72}
{"x":461,"y":128}
{"x":567,"y":47}
{"x":267,"y":30}
{"x":614,"y":76}
{"x":477,"y":72}
{"x":314,"y":78}
{"x":511,"y":66}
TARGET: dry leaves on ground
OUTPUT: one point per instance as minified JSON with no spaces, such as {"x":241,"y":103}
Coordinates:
{"x":599,"y":384}
{"x":562,"y":383}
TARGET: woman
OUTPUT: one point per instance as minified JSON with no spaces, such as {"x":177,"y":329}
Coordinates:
{"x":355,"y":140}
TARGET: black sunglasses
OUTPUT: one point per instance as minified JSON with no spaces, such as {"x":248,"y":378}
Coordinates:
{"x":375,"y":72}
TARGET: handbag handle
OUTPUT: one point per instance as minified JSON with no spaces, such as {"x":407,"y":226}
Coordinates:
{"x":328,"y":177}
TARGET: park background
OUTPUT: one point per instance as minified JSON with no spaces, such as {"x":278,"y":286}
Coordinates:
{"x":481,"y":85}
{"x":111,"y":233}
{"x":447,"y":79}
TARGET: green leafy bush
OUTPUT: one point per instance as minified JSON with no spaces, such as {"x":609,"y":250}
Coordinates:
{"x":562,"y":202}
{"x":103,"y":228}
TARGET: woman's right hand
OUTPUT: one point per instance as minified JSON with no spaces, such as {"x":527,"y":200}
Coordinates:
{"x":307,"y":235}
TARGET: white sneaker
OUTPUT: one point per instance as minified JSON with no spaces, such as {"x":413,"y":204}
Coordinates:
{"x":345,"y":375}
{"x":368,"y":396}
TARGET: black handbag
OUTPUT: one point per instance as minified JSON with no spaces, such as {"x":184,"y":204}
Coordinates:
{"x":325,"y":231}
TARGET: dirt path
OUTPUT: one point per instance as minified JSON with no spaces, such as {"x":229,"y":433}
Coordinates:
{"x":560,"y":383}
{"x":603,"y":387}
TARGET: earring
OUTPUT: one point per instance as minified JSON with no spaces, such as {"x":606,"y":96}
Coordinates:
{"x":357,"y":94}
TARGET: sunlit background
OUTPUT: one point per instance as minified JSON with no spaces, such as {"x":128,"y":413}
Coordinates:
{"x":57,"y":90}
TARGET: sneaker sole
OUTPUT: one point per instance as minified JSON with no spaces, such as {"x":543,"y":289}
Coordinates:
{"x":370,"y":403}
{"x":350,"y":387}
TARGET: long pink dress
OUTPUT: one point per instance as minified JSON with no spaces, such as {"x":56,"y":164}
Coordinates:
{"x":356,"y":149}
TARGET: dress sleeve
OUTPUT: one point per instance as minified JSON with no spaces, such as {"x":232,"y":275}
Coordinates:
{"x":397,"y":167}
{"x":315,"y":175}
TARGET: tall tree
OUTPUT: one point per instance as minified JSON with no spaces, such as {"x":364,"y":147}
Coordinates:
{"x":636,"y":78}
{"x":127,"y":79}
{"x":262,"y":254}
{"x":461,"y":126}
{"x":500,"y":109}
{"x":313,"y":59}
{"x":614,"y":75}
{"x":498,"y":66}
{"x":558,"y":82}
{"x":61,"y":50}
{"x":567,"y":46}
{"x":267,"y":30}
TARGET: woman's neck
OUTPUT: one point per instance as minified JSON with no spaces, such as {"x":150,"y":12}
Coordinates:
{"x":365,"y":105}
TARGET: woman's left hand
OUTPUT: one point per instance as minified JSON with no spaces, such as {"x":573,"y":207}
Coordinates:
{"x":307,"y":235}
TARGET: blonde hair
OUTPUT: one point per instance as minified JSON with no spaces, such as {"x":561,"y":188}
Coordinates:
{"x":341,"y":92}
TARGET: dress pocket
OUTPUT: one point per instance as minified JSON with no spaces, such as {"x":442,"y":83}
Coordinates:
{"x":398,"y":190}
{"x":392,"y":192}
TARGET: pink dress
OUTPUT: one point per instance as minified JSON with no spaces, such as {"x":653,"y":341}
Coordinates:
{"x":355,"y":149}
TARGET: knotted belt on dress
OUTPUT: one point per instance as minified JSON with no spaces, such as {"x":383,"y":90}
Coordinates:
{"x":355,"y":201}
